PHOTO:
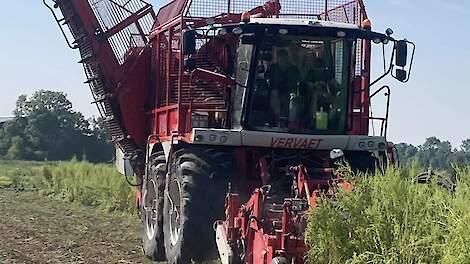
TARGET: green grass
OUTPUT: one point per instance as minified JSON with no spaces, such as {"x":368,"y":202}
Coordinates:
{"x":89,"y":184}
{"x":387,"y":219}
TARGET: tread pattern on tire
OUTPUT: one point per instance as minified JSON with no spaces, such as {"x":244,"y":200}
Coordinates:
{"x":204,"y":176}
{"x":155,"y":250}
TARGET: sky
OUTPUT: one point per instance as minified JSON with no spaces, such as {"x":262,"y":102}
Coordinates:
{"x":436,"y":101}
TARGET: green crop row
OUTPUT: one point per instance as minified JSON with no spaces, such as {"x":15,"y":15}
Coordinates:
{"x":390,"y":219}
{"x":89,"y":184}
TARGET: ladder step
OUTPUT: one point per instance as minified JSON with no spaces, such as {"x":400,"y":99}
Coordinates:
{"x":101,"y":99}
{"x":66,"y":21}
{"x":79,"y":39}
{"x":92,"y":78}
{"x":86,"y":58}
{"x":108,"y":119}
{"x":118,"y":139}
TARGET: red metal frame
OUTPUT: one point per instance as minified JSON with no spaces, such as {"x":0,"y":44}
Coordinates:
{"x":267,"y":230}
{"x":173,"y":96}
{"x":172,"y":16}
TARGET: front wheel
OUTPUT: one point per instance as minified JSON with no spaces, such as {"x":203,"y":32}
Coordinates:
{"x":194,"y":200}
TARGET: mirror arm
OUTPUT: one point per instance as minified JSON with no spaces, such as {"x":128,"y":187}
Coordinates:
{"x":383,"y":56}
{"x":390,"y":68}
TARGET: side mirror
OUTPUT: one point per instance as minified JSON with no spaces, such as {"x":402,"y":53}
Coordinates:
{"x":401,"y":75}
{"x":401,"y":56}
{"x":189,"y":42}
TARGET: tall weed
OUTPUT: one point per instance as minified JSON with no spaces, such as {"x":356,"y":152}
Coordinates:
{"x":89,"y":184}
{"x":389,"y":219}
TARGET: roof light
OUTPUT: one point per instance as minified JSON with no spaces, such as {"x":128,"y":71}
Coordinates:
{"x":210,"y":21}
{"x":366,"y":24}
{"x":377,"y":41}
{"x":341,"y":34}
{"x":246,"y":17}
{"x":283,"y":31}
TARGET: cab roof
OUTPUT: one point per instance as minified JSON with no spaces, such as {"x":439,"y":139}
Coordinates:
{"x":302,"y":22}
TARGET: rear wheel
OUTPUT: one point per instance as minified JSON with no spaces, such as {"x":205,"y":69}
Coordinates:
{"x":194,"y":200}
{"x":152,"y":208}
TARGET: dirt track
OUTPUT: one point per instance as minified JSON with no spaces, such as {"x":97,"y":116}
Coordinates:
{"x":37,"y":229}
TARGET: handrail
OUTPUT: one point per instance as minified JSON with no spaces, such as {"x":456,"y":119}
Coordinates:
{"x":58,"y":23}
{"x":384,"y":126}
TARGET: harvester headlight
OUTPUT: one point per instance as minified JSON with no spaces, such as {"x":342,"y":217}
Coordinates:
{"x":212,"y":137}
{"x":237,"y":31}
{"x":223,"y":139}
{"x":377,"y":41}
{"x":362,"y":145}
{"x":199,"y":138}
{"x":371,"y":144}
{"x":382,"y":146}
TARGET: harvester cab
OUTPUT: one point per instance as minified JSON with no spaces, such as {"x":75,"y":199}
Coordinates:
{"x":234,"y":114}
{"x":293,"y":75}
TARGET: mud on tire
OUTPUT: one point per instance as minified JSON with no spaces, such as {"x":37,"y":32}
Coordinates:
{"x":194,"y":198}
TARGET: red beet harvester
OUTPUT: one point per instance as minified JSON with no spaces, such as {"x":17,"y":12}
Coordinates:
{"x":232,"y":114}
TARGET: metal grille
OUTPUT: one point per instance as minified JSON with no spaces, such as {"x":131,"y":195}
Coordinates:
{"x":346,"y":11}
{"x":163,"y":49}
{"x":110,"y":13}
{"x":175,"y":64}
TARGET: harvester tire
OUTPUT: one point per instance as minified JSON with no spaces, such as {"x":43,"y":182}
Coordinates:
{"x":194,"y":199}
{"x":152,"y":208}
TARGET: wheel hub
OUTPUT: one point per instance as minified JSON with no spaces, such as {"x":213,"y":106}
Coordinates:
{"x":150,"y":206}
{"x":174,"y":195}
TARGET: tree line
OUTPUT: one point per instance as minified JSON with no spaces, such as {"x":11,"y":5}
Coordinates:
{"x":45,"y":127}
{"x":435,"y":154}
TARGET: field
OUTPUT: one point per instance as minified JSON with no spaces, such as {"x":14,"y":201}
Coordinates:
{"x":76,"y":211}
{"x":64,"y":213}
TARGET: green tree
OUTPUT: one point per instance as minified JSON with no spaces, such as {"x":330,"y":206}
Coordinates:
{"x":18,"y":149}
{"x":406,"y":152}
{"x":466,"y":146}
{"x":435,"y":153}
{"x":50,"y":129}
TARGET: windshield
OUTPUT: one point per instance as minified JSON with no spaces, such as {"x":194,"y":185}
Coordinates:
{"x":300,"y":85}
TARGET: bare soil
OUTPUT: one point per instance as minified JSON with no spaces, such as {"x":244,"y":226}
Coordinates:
{"x":38,"y":229}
